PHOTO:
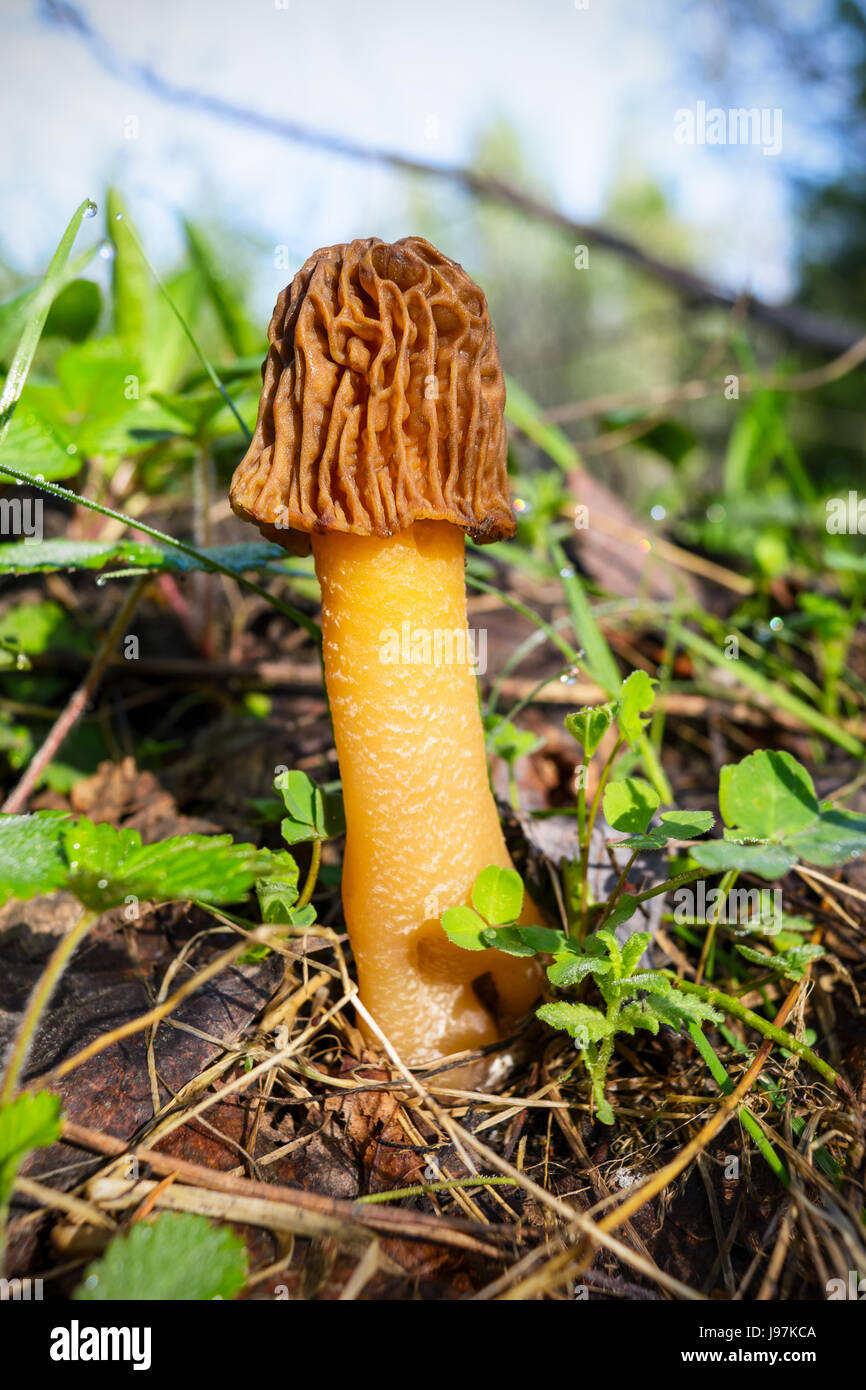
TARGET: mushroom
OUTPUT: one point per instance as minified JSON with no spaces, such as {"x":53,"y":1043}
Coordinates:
{"x":380,"y":439}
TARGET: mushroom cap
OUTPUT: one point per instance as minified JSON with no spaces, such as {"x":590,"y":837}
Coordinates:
{"x":382,"y":401}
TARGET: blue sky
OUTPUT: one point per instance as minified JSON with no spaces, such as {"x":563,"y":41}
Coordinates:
{"x":591,"y":91}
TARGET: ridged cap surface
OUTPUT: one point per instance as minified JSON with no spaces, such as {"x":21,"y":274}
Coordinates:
{"x":382,"y":401}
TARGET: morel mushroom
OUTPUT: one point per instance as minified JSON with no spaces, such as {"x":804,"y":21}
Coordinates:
{"x":381,"y":438}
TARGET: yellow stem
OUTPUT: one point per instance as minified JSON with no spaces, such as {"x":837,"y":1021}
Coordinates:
{"x":421,"y":820}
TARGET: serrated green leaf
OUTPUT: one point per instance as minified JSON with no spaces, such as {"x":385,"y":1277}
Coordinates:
{"x":768,"y":861}
{"x":649,"y":980}
{"x":178,"y":1257}
{"x":27,"y":1122}
{"x":498,"y":895}
{"x":589,"y":726}
{"x":569,"y":969}
{"x":31,"y":854}
{"x":632,"y":950}
{"x":465,"y":928}
{"x":636,"y":1015}
{"x":106,"y":866}
{"x":791,"y":963}
{"x":767,"y":795}
{"x":606,"y":937}
{"x":580,"y":1021}
{"x":630,"y":805}
{"x":652,"y":841}
{"x":637,"y":694}
{"x":677,"y":1009}
{"x":686,"y":825}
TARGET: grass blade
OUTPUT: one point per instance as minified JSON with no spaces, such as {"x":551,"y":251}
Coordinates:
{"x":42,"y":301}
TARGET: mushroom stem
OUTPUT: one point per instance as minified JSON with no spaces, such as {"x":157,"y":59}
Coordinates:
{"x":421,"y":819}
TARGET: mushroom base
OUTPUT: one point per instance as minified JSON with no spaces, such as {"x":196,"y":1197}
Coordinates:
{"x":421,"y":819}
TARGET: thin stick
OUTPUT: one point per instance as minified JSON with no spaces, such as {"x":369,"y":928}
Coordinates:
{"x":410,"y":1224}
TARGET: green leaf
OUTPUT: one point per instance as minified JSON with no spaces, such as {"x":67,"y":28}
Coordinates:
{"x":75,"y":311}
{"x":131,"y":288}
{"x":598,"y":656}
{"x":227,"y":301}
{"x":580,"y":1021}
{"x":28,"y":1122}
{"x":507,"y":939}
{"x":312,"y":815}
{"x":630,"y":805}
{"x":768,"y":861}
{"x":686,"y":825}
{"x":834,"y":838}
{"x":589,"y":726}
{"x":570,"y":968}
{"x":677,"y":1009}
{"x":603,"y":1112}
{"x":791,"y":963}
{"x":626,"y":907}
{"x":507,"y":741}
{"x":636,"y":1015}
{"x":649,"y":980}
{"x":176,"y":1258}
{"x":633,"y":949}
{"x":465,"y":928}
{"x":653,"y":840}
{"x":767,"y":795}
{"x":636,"y":695}
{"x":106,"y":866}
{"x":19,"y":557}
{"x":605,"y":940}
{"x":37,"y":312}
{"x":31,"y":855}
{"x":278,"y":893}
{"x":498,"y":895}
{"x":543,"y":939}
{"x":34,"y":446}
